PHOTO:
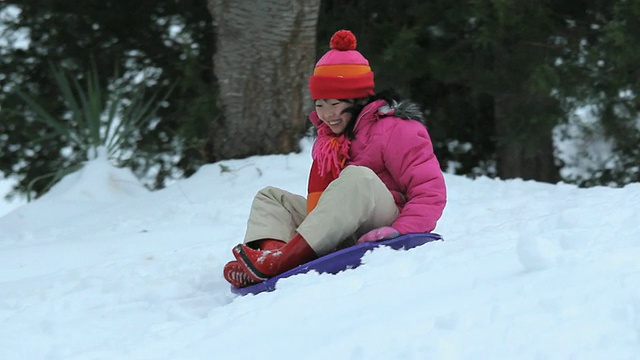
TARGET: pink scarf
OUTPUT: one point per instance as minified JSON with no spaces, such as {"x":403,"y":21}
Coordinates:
{"x":330,"y":151}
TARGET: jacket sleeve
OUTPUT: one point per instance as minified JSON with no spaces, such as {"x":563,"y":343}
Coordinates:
{"x":409,"y":158}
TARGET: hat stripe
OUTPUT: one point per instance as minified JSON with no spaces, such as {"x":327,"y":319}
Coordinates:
{"x":350,"y":87}
{"x":341,"y":70}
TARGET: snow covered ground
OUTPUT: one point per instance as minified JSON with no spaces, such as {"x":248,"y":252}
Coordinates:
{"x":100,"y":268}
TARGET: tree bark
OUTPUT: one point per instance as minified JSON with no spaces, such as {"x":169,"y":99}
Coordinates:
{"x":522,"y":152}
{"x":265,"y":53}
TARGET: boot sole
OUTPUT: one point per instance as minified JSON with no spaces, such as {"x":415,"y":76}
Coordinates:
{"x":237,"y":276}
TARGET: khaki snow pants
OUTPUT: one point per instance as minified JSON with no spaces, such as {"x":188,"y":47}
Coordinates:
{"x":353,"y":204}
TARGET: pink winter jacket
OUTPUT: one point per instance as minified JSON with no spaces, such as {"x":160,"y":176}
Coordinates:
{"x":400,"y":152}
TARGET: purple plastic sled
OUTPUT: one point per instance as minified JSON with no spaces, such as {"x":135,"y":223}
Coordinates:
{"x":349,"y":258}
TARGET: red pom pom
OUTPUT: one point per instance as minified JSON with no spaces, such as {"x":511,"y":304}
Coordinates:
{"x":343,"y":40}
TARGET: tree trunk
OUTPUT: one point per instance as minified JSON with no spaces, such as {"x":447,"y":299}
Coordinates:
{"x":521,"y":151}
{"x":265,"y":53}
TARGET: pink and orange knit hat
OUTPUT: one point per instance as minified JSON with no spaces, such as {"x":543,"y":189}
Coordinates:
{"x":342,"y":73}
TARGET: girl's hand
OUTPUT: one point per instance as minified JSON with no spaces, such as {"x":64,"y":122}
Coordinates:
{"x":381,"y":233}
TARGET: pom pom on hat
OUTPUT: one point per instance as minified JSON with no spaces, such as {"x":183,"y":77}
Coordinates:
{"x":342,"y":72}
{"x":343,"y":40}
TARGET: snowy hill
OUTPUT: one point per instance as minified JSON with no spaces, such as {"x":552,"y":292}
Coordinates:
{"x":100,"y":268}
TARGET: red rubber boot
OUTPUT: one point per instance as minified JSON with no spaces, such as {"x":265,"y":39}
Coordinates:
{"x":260,"y":265}
{"x":234,"y":272}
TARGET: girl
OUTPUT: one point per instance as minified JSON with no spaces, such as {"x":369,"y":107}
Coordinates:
{"x":374,"y":175}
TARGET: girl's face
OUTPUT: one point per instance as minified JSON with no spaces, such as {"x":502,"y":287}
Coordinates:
{"x":330,"y":111}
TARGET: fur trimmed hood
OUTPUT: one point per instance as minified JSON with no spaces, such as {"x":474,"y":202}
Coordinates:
{"x":404,"y":109}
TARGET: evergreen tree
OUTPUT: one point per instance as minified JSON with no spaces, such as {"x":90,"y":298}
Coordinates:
{"x":605,"y":63}
{"x":166,"y":43}
{"x":497,"y":77}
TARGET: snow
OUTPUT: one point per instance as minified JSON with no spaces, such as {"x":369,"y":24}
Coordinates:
{"x":583,"y":147}
{"x":100,"y":268}
{"x":19,"y":39}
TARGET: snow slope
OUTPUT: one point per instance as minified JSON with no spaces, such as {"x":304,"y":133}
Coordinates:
{"x":100,"y":268}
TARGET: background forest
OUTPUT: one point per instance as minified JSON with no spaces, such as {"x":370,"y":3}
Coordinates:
{"x":543,"y":90}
